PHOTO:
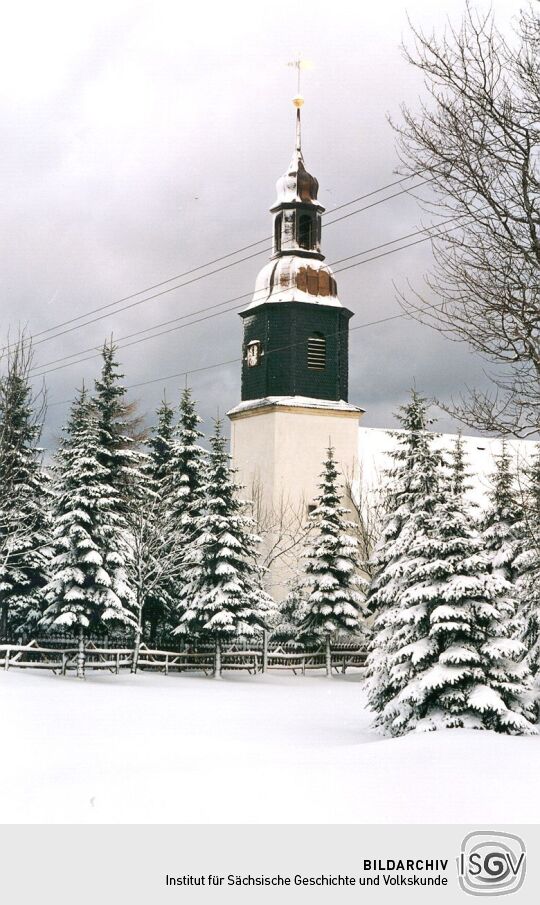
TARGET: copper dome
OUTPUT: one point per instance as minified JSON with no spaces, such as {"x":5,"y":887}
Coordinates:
{"x":296,"y":279}
{"x":297,"y":185}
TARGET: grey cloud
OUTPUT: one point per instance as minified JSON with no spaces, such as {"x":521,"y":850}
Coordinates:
{"x":143,"y":140}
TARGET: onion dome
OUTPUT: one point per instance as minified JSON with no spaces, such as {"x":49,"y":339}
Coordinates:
{"x":296,"y":272}
{"x":296,"y":279}
{"x":296,"y":185}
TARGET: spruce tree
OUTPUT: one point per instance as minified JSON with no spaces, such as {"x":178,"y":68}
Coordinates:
{"x":155,"y":562}
{"x":459,"y":484}
{"x":24,"y":500}
{"x":527,"y":566}
{"x":442,"y":655}
{"x":161,"y":443}
{"x":488,"y":685}
{"x":88,"y":589}
{"x":222,"y":598}
{"x":290,"y":615}
{"x":119,"y":428}
{"x":186,"y":467}
{"x":401,"y":644}
{"x":178,"y":474}
{"x":184,"y":487}
{"x":159,"y":600}
{"x":334,"y":589}
{"x":502,"y":521}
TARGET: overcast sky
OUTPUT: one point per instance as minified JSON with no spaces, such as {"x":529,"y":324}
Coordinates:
{"x":140,"y":140}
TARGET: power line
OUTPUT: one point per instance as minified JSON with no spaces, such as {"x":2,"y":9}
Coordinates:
{"x":96,"y":354}
{"x":120,"y":339}
{"x":142,"y":301}
{"x":221,"y":364}
{"x":230,"y":254}
{"x":133,"y":304}
{"x":165,"y":378}
{"x":210,"y":273}
{"x":245,"y":295}
{"x":138,"y":341}
{"x":178,"y":276}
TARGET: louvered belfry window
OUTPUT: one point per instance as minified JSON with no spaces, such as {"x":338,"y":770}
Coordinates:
{"x":316,"y":352}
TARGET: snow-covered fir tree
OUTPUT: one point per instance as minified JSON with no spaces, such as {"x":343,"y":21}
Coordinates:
{"x":119,"y":427}
{"x":499,"y":697}
{"x":399,"y":636}
{"x":414,"y":472}
{"x":151,"y":527}
{"x":178,"y":465}
{"x":290,"y":615}
{"x":24,"y":500}
{"x":459,"y":484}
{"x":527,"y":567}
{"x":186,"y":467}
{"x":185,"y":482}
{"x":160,"y":443}
{"x":89,"y":588}
{"x":155,"y":563}
{"x":335,"y":595}
{"x":502,"y":522}
{"x":222,"y":597}
{"x":441,"y":655}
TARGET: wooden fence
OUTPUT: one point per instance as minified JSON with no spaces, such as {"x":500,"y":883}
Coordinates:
{"x":63,"y":660}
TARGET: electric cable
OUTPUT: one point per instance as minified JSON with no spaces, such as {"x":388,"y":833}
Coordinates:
{"x":245,"y":295}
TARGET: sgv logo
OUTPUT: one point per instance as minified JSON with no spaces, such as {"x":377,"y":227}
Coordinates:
{"x":491,"y":864}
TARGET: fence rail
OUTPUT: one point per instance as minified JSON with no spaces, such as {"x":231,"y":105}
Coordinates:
{"x":114,"y":659}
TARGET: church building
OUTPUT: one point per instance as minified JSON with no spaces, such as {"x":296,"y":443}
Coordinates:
{"x":295,"y":370}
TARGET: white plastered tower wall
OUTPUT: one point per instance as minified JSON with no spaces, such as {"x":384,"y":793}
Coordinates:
{"x":279,"y":447}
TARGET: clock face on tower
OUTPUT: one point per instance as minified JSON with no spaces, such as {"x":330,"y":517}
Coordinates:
{"x":253,"y":353}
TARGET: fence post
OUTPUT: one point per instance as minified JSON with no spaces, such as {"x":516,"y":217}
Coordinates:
{"x":117,"y":662}
{"x":166,"y":664}
{"x":6,"y":661}
{"x":265,"y":651}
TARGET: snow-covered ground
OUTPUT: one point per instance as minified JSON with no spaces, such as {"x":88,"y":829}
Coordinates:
{"x":265,"y":749}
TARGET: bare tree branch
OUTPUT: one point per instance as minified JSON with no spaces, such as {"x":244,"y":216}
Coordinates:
{"x":477,"y":138}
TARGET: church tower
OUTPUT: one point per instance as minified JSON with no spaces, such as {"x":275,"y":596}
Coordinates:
{"x":294,"y":363}
{"x":296,"y":329}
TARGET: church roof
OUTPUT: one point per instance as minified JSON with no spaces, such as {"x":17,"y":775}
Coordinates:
{"x":375,"y":445}
{"x":276,"y":402}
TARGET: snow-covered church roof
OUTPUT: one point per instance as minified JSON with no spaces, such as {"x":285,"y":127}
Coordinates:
{"x":375,"y":445}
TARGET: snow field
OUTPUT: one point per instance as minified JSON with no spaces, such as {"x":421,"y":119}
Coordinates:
{"x":264,"y":749}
